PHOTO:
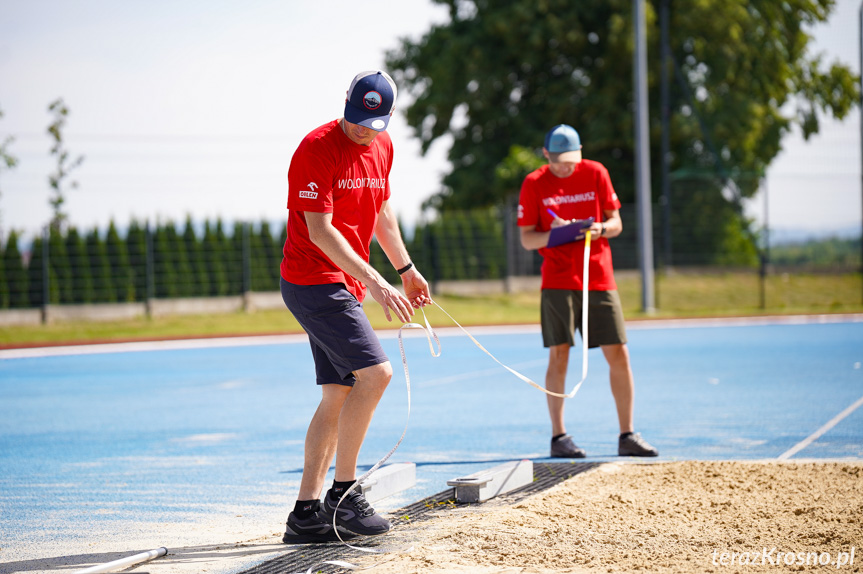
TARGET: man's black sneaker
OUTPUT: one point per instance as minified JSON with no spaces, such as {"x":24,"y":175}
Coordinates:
{"x":355,"y":514}
{"x":634,"y":445}
{"x":316,"y":528}
{"x":564,"y":447}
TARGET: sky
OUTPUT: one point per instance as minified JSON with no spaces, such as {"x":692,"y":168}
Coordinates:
{"x":195,"y":108}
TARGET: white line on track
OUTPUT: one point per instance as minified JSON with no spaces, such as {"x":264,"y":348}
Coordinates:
{"x":814,"y":436}
{"x":745,"y":321}
{"x":36,"y":352}
{"x":244,"y":341}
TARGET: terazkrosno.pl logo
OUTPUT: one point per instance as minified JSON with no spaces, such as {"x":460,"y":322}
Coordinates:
{"x":773,"y":557}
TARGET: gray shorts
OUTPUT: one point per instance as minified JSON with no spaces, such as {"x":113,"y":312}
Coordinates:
{"x":340,"y":334}
{"x":560,"y":312}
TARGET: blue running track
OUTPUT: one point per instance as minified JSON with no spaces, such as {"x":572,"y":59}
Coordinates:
{"x":87,"y":439}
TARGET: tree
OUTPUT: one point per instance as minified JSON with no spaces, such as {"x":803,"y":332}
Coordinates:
{"x":213,"y":255}
{"x":122,"y":277}
{"x":199,"y":279}
{"x":100,"y":267}
{"x":4,"y":284}
{"x":136,"y":247}
{"x":179,"y":261}
{"x":500,"y":74}
{"x":7,"y":161}
{"x":81,"y":288}
{"x":60,"y":272}
{"x":36,"y":274}
{"x":232,"y":251}
{"x":259,"y":243}
{"x":273,"y":251}
{"x":65,"y":165}
{"x":706,"y":226}
{"x":163,"y":264}
{"x":15,"y":274}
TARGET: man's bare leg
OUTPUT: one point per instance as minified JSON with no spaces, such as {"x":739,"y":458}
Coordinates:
{"x":321,"y":440}
{"x":356,"y":416}
{"x":622,"y":383}
{"x":555,"y":381}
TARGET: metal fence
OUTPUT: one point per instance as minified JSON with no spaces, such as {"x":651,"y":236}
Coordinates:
{"x":162,"y":261}
{"x":210,"y":259}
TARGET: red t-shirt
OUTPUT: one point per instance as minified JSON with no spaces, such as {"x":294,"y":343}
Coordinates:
{"x":329,"y":173}
{"x":586,"y":193}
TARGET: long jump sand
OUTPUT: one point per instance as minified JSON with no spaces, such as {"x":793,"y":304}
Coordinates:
{"x":688,"y":517}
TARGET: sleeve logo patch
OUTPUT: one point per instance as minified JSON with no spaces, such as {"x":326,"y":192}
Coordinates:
{"x":310,"y":193}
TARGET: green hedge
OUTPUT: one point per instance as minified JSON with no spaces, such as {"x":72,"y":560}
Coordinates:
{"x":162,"y":261}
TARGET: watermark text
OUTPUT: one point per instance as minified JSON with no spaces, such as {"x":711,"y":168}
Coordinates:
{"x":775,"y":557}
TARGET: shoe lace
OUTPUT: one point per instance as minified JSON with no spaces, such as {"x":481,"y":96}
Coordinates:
{"x":636,"y":441}
{"x":359,"y":502}
{"x":636,"y":438}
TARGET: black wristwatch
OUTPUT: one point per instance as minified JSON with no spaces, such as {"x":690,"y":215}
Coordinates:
{"x":405,"y":269}
{"x":601,"y":233}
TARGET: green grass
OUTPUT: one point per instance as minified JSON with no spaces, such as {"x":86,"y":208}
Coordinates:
{"x":729,"y":294}
{"x":678,"y":295}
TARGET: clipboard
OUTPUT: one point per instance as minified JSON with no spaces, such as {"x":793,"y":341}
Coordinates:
{"x":569,"y":233}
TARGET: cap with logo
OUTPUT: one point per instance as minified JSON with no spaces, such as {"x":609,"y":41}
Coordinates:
{"x":371,"y":100}
{"x":563,"y":144}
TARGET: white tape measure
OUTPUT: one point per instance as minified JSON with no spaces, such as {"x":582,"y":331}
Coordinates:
{"x":432,"y":336}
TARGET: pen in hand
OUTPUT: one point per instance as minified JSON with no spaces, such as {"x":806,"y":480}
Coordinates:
{"x":556,"y":216}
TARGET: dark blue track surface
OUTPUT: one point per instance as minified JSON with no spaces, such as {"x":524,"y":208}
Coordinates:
{"x":103,"y":437}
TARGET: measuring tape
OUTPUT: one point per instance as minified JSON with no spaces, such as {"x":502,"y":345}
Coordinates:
{"x":527,"y":380}
{"x":431,"y":335}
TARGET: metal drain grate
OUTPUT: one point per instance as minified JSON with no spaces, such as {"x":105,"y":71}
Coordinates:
{"x":300,"y":558}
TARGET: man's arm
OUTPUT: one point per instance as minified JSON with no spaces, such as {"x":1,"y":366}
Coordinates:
{"x":532,"y":239}
{"x":613,"y":225}
{"x":328,"y":239}
{"x":390,"y":239}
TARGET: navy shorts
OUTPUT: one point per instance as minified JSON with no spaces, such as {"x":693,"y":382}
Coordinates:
{"x":340,"y":334}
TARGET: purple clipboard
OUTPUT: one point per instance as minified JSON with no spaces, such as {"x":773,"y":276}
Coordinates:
{"x":569,"y":233}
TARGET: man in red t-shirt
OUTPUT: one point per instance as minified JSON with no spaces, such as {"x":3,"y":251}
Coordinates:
{"x":338,"y":192}
{"x":571,"y":188}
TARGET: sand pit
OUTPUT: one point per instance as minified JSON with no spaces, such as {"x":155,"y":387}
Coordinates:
{"x":688,"y":517}
{"x":668,"y":517}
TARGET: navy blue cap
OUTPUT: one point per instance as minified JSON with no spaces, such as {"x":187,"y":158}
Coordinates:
{"x":371,"y":100}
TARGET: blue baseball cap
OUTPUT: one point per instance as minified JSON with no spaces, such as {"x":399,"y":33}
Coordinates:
{"x":371,"y":100}
{"x":563,"y":144}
